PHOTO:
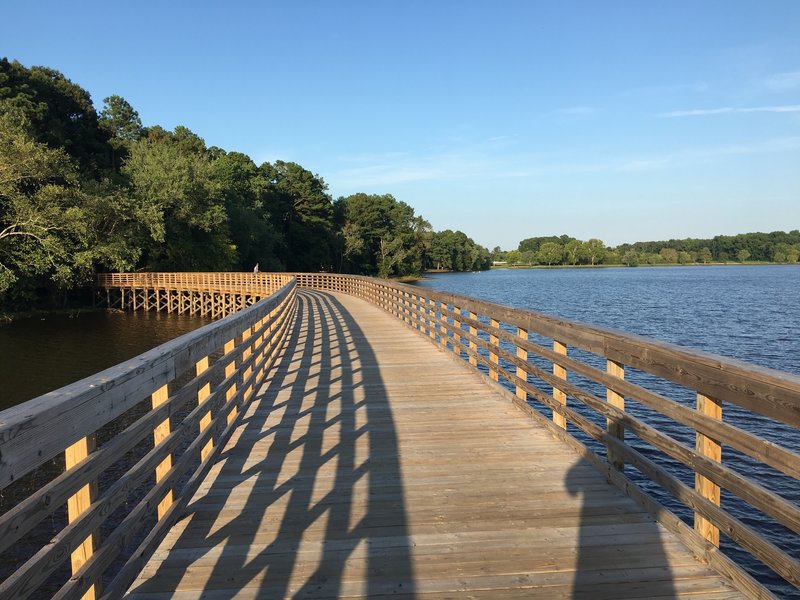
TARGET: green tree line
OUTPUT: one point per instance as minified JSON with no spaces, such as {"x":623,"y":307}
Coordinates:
{"x":778,"y":247}
{"x":83,"y":191}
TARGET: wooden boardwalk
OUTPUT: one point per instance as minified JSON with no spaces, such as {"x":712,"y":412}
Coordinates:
{"x":374,"y":465}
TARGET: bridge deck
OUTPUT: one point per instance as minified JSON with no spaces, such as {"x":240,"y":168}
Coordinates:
{"x":373,"y":465}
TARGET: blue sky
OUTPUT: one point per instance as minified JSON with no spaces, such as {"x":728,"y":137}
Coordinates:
{"x":619,"y":120}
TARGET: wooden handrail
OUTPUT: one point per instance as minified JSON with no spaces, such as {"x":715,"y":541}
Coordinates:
{"x":198,"y":383}
{"x":606,"y":402}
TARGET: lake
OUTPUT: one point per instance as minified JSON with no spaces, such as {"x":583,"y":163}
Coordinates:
{"x":746,"y":312}
{"x":43,"y":353}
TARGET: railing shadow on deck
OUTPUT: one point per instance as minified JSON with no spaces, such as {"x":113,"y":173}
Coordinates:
{"x":320,"y":530}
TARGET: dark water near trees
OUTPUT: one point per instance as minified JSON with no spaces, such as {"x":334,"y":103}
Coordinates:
{"x":747,"y":312}
{"x":44,"y":353}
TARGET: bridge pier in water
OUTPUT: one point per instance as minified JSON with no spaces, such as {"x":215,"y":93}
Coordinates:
{"x":332,"y":452}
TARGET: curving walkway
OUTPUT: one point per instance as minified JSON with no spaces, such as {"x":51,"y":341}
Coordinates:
{"x":374,"y":465}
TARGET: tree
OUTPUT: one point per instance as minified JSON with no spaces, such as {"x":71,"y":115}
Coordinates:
{"x":123,"y":125}
{"x":595,"y":251}
{"x":704,"y":255}
{"x":743,"y":255}
{"x":670,"y":255}
{"x":241,"y":186}
{"x":550,"y":253}
{"x":302,"y":213}
{"x":575,"y":252}
{"x":184,"y":226}
{"x":58,"y":113}
{"x":631,"y":258}
{"x":383,"y":236}
{"x":54,"y":230}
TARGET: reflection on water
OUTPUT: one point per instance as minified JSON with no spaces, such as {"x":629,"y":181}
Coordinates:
{"x":41,"y":354}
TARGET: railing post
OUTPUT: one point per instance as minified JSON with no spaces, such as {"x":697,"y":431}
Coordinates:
{"x":494,"y":372}
{"x":202,"y":394}
{"x":473,"y":360}
{"x":245,"y":355}
{"x":230,"y":369}
{"x":711,"y":449}
{"x":78,"y":504}
{"x":615,"y":429}
{"x":558,"y":395}
{"x":456,"y":329}
{"x":442,"y":329}
{"x":160,"y":433}
{"x":522,"y":354}
{"x":432,"y":318}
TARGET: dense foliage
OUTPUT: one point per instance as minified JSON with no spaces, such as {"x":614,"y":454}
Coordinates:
{"x":778,"y":247}
{"x":82,"y":192}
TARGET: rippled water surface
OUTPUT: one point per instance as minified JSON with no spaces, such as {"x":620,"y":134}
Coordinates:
{"x":751,"y":313}
{"x":746,"y":312}
{"x":41,"y":354}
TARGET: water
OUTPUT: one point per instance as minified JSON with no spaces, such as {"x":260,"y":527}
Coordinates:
{"x":41,"y":354}
{"x":746,"y":312}
{"x":751,"y":313}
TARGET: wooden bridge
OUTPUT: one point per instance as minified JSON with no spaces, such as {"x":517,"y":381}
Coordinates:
{"x":341,"y":436}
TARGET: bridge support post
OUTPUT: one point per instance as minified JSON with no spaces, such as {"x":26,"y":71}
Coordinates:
{"x":712,"y":449}
{"x":559,"y":395}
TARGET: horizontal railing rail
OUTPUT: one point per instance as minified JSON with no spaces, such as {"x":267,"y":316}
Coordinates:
{"x":609,"y":395}
{"x":208,"y":282}
{"x":111,"y":461}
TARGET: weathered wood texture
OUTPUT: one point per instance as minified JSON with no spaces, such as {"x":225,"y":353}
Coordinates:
{"x":162,"y":416}
{"x":577,"y":374}
{"x":372,"y":464}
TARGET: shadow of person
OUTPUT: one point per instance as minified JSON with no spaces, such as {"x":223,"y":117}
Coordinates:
{"x":620,"y":553}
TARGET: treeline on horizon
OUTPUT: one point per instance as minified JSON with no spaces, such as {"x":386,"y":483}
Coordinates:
{"x":776,"y":247}
{"x":83,"y":192}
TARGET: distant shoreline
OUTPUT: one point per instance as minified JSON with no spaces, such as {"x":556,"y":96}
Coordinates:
{"x":606,"y":266}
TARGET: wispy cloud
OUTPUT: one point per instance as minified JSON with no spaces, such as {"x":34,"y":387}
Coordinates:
{"x":470,"y":164}
{"x":781,"y":82}
{"x":787,"y":108}
{"x":577,"y":111}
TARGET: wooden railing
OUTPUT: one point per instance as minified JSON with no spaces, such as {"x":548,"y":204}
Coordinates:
{"x":214,"y":295}
{"x":609,"y":395}
{"x":124,"y":450}
{"x":653,"y":417}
